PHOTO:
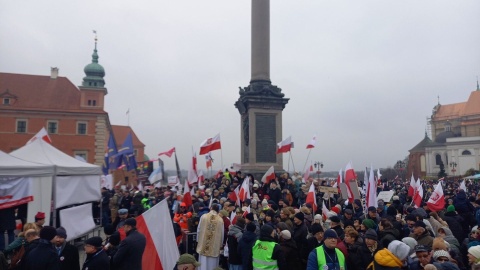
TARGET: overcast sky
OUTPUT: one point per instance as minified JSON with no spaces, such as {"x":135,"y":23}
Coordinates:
{"x":362,"y":75}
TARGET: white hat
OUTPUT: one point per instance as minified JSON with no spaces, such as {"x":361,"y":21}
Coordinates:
{"x":475,"y":251}
{"x":285,"y":234}
{"x":255,"y":185}
{"x":440,"y":253}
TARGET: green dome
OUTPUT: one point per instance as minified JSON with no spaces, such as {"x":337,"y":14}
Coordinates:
{"x":94,"y":72}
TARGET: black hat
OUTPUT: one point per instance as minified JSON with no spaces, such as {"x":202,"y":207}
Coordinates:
{"x":251,"y":227}
{"x":335,"y":219}
{"x":250,"y":217}
{"x":300,"y":216}
{"x":270,"y":213}
{"x":315,"y":228}
{"x":114,"y":239}
{"x":131,"y":222}
{"x":48,"y":233}
{"x":347,"y":223}
{"x":421,"y":248}
{"x":330,"y":234}
{"x":266,"y":230}
{"x":371,"y":234}
{"x":95,"y":241}
{"x":372,"y":209}
{"x":61,"y":232}
{"x":348,"y":211}
{"x":420,"y":223}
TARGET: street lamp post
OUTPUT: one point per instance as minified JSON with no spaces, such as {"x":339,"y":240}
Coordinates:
{"x":318,"y":165}
{"x":453,"y":165}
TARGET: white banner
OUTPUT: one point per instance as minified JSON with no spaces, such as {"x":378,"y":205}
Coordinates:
{"x":15,"y":191}
{"x":76,"y":189}
{"x":172,"y":180}
{"x":77,"y":220}
{"x":106,"y":181}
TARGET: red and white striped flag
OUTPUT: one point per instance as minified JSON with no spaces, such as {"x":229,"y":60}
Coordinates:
{"x":187,"y":195}
{"x":210,"y":144}
{"x":285,"y":145}
{"x":192,"y":171}
{"x":324,"y":211}
{"x":411,"y":188}
{"x":201,"y":177}
{"x":349,"y":176}
{"x":156,"y":225}
{"x":269,"y":175}
{"x":42,"y":134}
{"x":312,"y":142}
{"x":371,"y":198}
{"x":311,"y":198}
{"x":418,"y":196}
{"x":437,"y":199}
{"x":244,"y":192}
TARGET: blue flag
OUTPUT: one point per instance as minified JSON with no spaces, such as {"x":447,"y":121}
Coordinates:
{"x":105,"y":165}
{"x":114,"y":160}
{"x":128,"y":153}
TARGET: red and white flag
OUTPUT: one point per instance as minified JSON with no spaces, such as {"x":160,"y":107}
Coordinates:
{"x":168,"y":153}
{"x":312,"y":142}
{"x":372,"y":190}
{"x":269,"y":175}
{"x":210,"y":144}
{"x":42,"y":134}
{"x":311,"y":198}
{"x":244,"y":192}
{"x":349,"y":176}
{"x":285,"y":145}
{"x":208,"y":160}
{"x":192,"y":171}
{"x":418,"y":196}
{"x":15,"y":191}
{"x":248,"y":210}
{"x":324,"y":211}
{"x":156,"y":225}
{"x":437,"y":199}
{"x":234,"y":196}
{"x":411,"y":187}
{"x":187,"y":195}
{"x":201,"y":177}
{"x":306,"y":175}
{"x":339,"y":178}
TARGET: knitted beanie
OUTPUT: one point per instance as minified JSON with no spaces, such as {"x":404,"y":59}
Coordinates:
{"x":451,"y":208}
{"x":440,"y":253}
{"x":370,"y":224}
{"x":475,"y":251}
{"x":399,"y":249}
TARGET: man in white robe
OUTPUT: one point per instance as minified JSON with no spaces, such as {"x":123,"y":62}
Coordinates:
{"x":210,"y":238}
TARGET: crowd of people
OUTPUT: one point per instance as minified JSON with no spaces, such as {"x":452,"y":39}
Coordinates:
{"x":273,"y":229}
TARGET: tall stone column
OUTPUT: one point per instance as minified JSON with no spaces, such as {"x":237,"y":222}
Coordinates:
{"x":260,"y":104}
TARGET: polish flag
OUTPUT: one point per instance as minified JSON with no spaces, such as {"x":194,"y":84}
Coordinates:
{"x":339,"y":178}
{"x":418,"y":196}
{"x":246,"y":211}
{"x":311,"y":198}
{"x":168,"y":153}
{"x":234,"y":196}
{"x":324,"y":211}
{"x":411,"y":187}
{"x":306,"y":175}
{"x":372,"y":190}
{"x":156,"y":225}
{"x":285,"y":145}
{"x":42,"y":134}
{"x":210,"y":144}
{"x":437,"y":199}
{"x":208,"y":160}
{"x":269,"y":175}
{"x":192,"y":171}
{"x":187,"y":195}
{"x":312,"y":142}
{"x":201,"y":177}
{"x":349,"y":176}
{"x":244,"y":192}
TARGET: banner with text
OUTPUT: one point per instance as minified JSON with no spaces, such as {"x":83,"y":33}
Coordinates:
{"x":15,"y":191}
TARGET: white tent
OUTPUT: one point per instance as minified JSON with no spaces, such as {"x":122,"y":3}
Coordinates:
{"x":22,"y":181}
{"x":74,"y":181}
{"x":476,"y":176}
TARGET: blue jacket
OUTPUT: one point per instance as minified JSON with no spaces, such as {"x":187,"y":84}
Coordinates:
{"x":244,"y":248}
{"x":312,"y":263}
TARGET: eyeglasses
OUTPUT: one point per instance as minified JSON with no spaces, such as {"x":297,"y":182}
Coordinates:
{"x":443,"y":259}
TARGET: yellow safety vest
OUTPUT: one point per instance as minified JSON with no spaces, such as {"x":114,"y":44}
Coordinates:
{"x":262,"y":253}
{"x":322,"y":261}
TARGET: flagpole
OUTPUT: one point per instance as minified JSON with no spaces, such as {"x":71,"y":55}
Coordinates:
{"x":308,"y":156}
{"x":288,"y":166}
{"x":292,"y":161}
{"x":221,"y":158}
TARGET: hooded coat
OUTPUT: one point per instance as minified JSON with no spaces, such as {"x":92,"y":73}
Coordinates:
{"x":234,"y":236}
{"x":384,"y":259}
{"x":289,"y":248}
{"x":454,"y":222}
{"x":244,"y":248}
{"x":454,"y":244}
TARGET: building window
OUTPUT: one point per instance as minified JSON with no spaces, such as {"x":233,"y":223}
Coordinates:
{"x":6,"y":101}
{"x":466,"y":153}
{"x":89,"y":102}
{"x":135,"y":152}
{"x":21,"y":126}
{"x":438,"y":159}
{"x":92,"y":102}
{"x":52,"y":127}
{"x":81,"y":128}
{"x":81,"y":155}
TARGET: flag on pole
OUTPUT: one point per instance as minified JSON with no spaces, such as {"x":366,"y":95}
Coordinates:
{"x":269,"y":175}
{"x":285,"y":145}
{"x":156,"y":175}
{"x":339,"y":178}
{"x":372,"y":190}
{"x":156,"y":225}
{"x":462,"y":186}
{"x":177,"y":166}
{"x":42,"y":134}
{"x":349,"y":176}
{"x":192,"y":171}
{"x":127,"y":151}
{"x":210,"y":144}
{"x":208,"y":160}
{"x":201,"y":177}
{"x":312,"y":142}
{"x":311,"y":198}
{"x":437,"y":199}
{"x":418,"y":196}
{"x":168,"y":153}
{"x":306,"y":175}
{"x":244,"y":192}
{"x":324,"y":211}
{"x":411,"y":188}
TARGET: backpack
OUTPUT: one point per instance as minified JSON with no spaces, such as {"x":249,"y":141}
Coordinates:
{"x":17,"y":257}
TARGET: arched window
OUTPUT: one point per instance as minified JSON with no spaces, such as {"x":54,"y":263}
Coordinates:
{"x":466,"y":153}
{"x":438,"y":159}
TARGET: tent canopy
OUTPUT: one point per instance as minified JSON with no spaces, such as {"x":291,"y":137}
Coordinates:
{"x":476,"y":176}
{"x":42,"y":152}
{"x":12,"y":166}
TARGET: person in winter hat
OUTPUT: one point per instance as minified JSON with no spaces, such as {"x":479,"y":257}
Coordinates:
{"x":392,"y":257}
